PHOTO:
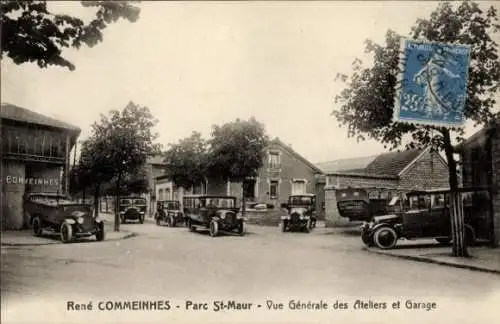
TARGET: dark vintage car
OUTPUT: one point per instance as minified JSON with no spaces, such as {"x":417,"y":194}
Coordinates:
{"x":132,"y":208}
{"x":169,"y":212}
{"x":301,"y":213}
{"x":356,"y":205}
{"x":216,"y":213}
{"x":426,"y":215}
{"x":59,"y":214}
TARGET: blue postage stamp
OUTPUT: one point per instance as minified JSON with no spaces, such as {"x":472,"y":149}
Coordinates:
{"x":432,"y":84}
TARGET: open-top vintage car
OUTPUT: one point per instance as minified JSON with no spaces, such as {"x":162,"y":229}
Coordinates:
{"x":301,"y":213}
{"x":426,"y":214}
{"x":216,"y":213}
{"x":169,"y":211}
{"x":59,"y":214}
{"x":132,"y":208}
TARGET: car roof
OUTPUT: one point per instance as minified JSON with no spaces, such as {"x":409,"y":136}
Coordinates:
{"x":209,"y":196}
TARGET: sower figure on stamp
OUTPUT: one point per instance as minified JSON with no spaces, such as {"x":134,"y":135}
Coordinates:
{"x":430,"y":79}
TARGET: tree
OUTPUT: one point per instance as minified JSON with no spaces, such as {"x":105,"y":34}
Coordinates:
{"x":366,"y":104}
{"x":119,"y":146}
{"x":32,"y":33}
{"x":186,"y":161}
{"x":237,"y":151}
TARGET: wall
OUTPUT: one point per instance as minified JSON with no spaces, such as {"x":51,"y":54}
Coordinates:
{"x":428,"y":172}
{"x":12,"y":195}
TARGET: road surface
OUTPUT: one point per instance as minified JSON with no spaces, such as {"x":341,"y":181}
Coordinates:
{"x":187,"y":274}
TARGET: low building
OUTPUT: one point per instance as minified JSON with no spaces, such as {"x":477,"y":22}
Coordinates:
{"x":480,"y":159}
{"x":35,"y":157}
{"x":384,"y":176}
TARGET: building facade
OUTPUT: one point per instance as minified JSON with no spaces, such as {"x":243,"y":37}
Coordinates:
{"x":284,"y":172}
{"x":35,"y":157}
{"x":383,"y":176}
{"x":480,"y":159}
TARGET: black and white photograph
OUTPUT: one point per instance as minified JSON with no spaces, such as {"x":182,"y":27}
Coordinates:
{"x":250,"y":162}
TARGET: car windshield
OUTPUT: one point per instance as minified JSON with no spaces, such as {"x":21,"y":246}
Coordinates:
{"x":172,"y":205}
{"x":301,"y":200}
{"x":125,"y":201}
{"x":220,"y":202}
{"x":139,"y":202}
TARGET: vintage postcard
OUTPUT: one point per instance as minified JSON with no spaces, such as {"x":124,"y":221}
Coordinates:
{"x":250,"y":162}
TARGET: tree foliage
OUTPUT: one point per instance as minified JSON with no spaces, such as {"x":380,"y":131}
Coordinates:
{"x":366,"y":104}
{"x":117,"y":149}
{"x":186,"y":161}
{"x":236,"y":149}
{"x":32,"y":33}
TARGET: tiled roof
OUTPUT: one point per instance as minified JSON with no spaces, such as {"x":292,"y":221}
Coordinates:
{"x":297,"y":155}
{"x":346,"y":165}
{"x":12,"y":112}
{"x":386,"y":164}
{"x":392,"y":163}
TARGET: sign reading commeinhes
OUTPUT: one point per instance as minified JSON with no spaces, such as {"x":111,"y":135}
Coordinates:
{"x":432,"y":85}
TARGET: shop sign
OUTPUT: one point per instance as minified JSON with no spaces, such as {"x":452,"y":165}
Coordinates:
{"x":31,"y":181}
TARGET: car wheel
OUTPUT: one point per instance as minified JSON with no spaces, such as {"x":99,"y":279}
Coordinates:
{"x":470,"y":236}
{"x":100,"y":234}
{"x":172,"y":221}
{"x":122,"y":218}
{"x":367,"y":239}
{"x":443,"y":240}
{"x":241,"y":229}
{"x":158,"y":220}
{"x":66,"y":232}
{"x":283,"y":226}
{"x":385,"y":237}
{"x":37,"y":226}
{"x":307,"y":227}
{"x":141,"y":219}
{"x":214,"y":228}
{"x":189,"y":225}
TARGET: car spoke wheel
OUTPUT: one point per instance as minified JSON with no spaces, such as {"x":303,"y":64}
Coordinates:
{"x":367,"y":239}
{"x":172,"y":221}
{"x":241,"y":228}
{"x":214,"y":228}
{"x":157,"y":220}
{"x":123,"y":219}
{"x":66,"y":232}
{"x":37,"y":226}
{"x":189,"y":225}
{"x":385,"y":237}
{"x":308,"y":226}
{"x":283,"y":226}
{"x":100,"y":234}
{"x":141,"y":219}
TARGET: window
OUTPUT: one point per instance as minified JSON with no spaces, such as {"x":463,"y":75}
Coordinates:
{"x":274,"y":160}
{"x":160,"y":194}
{"x":273,"y":189}
{"x":298,"y":187}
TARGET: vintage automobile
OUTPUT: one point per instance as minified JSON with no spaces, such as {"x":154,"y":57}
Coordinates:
{"x":216,"y":213}
{"x":132,"y":208}
{"x":59,"y":214}
{"x":301,"y":213}
{"x":425,"y":214}
{"x":169,"y":211}
{"x":356,"y":205}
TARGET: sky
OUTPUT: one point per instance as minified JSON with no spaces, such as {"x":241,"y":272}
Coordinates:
{"x":195,"y":64}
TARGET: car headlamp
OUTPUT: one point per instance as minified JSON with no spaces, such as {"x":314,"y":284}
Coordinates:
{"x":79,"y":220}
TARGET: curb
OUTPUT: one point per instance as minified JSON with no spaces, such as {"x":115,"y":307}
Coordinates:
{"x":127,"y":236}
{"x":430,"y":260}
